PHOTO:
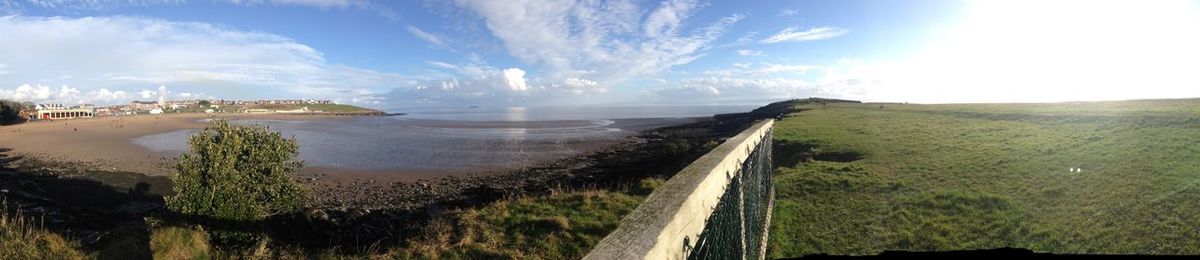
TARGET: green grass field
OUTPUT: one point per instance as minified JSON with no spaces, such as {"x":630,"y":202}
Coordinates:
{"x":950,"y":177}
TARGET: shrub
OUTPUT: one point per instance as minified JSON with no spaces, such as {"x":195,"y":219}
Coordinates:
{"x":237,"y":172}
{"x":10,"y":112}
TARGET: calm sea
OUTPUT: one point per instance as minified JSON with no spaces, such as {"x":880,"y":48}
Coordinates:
{"x":468,"y":139}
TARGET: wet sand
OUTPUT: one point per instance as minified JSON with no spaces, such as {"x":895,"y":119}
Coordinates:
{"x":103,"y":143}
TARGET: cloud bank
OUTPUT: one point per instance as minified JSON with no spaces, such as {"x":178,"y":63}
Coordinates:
{"x":128,"y":53}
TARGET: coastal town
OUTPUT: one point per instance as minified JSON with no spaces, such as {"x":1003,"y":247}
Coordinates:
{"x":282,"y":106}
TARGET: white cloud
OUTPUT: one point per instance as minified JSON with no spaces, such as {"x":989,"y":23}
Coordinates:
{"x":668,"y":17}
{"x":515,"y":79}
{"x":768,"y":81}
{"x":65,"y":94}
{"x":763,"y":69}
{"x":425,"y":36}
{"x":96,"y":4}
{"x":788,"y":12}
{"x":14,"y":6}
{"x":749,"y":53}
{"x":26,"y":92}
{"x":793,"y":34}
{"x":312,"y":3}
{"x":582,"y":86}
{"x":444,"y":65}
{"x":603,"y":41}
{"x":130,"y":53}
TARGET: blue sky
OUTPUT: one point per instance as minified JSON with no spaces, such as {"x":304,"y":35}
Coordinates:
{"x":402,"y":54}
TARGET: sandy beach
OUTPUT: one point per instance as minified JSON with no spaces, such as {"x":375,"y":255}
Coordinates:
{"x":104,"y":142}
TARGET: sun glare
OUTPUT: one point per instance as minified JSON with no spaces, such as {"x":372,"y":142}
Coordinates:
{"x":1036,"y":51}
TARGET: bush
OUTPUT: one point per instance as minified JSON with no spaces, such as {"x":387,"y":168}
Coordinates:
{"x":237,"y":172}
{"x":10,"y":112}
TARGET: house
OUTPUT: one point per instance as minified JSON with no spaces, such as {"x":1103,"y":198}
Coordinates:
{"x":143,"y":105}
{"x":297,"y":111}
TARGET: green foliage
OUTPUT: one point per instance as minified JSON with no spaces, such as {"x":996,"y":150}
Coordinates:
{"x":648,"y":185}
{"x":237,"y":172}
{"x":965,"y":176}
{"x":204,"y":103}
{"x":677,"y":147}
{"x":560,"y":226}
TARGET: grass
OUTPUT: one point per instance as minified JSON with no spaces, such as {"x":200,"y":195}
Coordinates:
{"x":856,"y":179}
{"x":180,"y":243}
{"x":22,"y":238}
{"x":562,"y":225}
{"x":559,"y":226}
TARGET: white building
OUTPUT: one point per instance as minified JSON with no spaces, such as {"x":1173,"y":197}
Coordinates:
{"x":59,"y":111}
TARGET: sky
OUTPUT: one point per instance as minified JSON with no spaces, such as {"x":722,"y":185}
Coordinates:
{"x":404,"y":54}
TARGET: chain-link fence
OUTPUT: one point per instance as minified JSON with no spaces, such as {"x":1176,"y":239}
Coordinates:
{"x":737,"y":228}
{"x":719,"y":207}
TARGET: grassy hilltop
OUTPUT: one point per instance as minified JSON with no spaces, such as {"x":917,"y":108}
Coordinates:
{"x":860,"y":179}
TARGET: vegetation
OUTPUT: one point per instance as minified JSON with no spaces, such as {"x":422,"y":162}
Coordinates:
{"x":863,"y":178}
{"x":180,"y":243}
{"x":237,"y":172}
{"x":21,"y":238}
{"x":10,"y":111}
{"x":558,"y":226}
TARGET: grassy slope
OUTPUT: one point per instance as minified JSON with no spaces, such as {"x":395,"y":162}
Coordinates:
{"x":22,"y":238}
{"x":942,"y":177}
{"x":559,"y":226}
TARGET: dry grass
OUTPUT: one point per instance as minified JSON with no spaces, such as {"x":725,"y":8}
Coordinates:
{"x":21,"y":238}
{"x":563,"y":225}
{"x":180,"y":243}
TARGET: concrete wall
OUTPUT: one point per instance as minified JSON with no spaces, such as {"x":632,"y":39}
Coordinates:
{"x":677,"y":211}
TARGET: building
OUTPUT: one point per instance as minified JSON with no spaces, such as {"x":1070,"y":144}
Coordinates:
{"x":59,"y":111}
{"x":143,"y":105}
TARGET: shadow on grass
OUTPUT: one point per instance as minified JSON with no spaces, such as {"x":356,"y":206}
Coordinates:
{"x":106,"y":218}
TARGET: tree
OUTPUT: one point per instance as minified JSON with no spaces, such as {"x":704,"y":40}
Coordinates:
{"x":10,"y":112}
{"x":237,"y":172}
{"x":205,"y":103}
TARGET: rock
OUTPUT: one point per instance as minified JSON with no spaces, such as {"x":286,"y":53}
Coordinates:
{"x":316,"y":215}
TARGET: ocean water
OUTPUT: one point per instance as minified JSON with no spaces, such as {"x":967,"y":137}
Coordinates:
{"x":458,"y":140}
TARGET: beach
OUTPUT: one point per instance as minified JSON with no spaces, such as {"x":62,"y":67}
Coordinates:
{"x":335,"y":149}
{"x":103,"y":143}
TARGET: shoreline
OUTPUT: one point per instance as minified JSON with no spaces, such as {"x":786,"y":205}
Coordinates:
{"x":85,"y":203}
{"x":105,"y":143}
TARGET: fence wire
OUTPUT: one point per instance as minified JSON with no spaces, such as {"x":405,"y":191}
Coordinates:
{"x":737,"y":228}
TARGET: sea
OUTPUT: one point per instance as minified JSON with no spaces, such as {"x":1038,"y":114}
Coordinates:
{"x":461,"y":139}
